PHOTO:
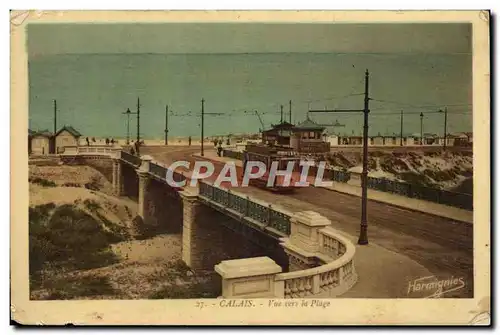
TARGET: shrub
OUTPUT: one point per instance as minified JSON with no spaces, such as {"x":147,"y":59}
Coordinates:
{"x":91,"y":205}
{"x":71,"y":185}
{"x":42,"y":182}
{"x":94,"y":184}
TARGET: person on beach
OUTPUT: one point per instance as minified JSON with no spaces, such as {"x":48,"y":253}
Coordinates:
{"x":88,"y":143}
{"x":219,"y":149}
{"x":136,"y":145}
{"x":189,"y":140}
{"x":245,"y":160}
{"x":107,"y":141}
{"x":215,"y":142}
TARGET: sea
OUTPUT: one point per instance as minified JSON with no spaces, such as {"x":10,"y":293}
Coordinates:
{"x":93,"y":91}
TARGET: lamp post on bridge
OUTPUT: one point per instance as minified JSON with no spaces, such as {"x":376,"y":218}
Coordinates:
{"x":363,"y":233}
{"x":128,"y":112}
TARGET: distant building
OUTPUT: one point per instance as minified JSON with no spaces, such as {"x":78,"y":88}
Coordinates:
{"x":450,"y":140}
{"x":67,"y":136}
{"x":30,"y":135}
{"x":463,"y":139}
{"x":279,"y":134}
{"x":333,"y":139}
{"x":431,"y":139}
{"x":350,"y":140}
{"x":41,"y":142}
{"x":307,"y":136}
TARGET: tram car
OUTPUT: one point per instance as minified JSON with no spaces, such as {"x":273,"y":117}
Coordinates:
{"x":268,"y":157}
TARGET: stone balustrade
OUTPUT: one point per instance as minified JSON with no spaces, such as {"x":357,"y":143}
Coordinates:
{"x":113,"y":152}
{"x":330,"y":279}
{"x":321,"y":264}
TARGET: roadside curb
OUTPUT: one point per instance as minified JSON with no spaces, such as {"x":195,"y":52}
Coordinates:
{"x":400,"y":206}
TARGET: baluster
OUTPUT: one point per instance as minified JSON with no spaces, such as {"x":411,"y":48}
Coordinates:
{"x":308,"y":286}
{"x":288,"y":290}
{"x":301,"y":286}
{"x":294,"y":288}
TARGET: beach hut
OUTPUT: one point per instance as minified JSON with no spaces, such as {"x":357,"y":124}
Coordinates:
{"x":67,"y":136}
{"x":41,"y":142}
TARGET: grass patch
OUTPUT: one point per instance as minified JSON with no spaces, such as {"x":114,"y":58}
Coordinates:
{"x":444,"y":175}
{"x":414,"y":178}
{"x":147,"y":229}
{"x":86,"y":286}
{"x":67,"y":239}
{"x":192,"y":291}
{"x":42,"y":182}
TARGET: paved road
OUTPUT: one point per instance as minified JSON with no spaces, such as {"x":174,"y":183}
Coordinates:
{"x":442,"y":245}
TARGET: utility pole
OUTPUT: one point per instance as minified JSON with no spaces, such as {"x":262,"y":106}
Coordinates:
{"x":290,"y":111}
{"x":363,"y":234}
{"x":401,"y":132}
{"x":445,"y":125}
{"x":281,"y":114}
{"x":138,"y":121}
{"x":202,"y":124}
{"x":55,"y":117}
{"x":421,"y":128}
{"x":138,"y":113}
{"x":128,"y":112}
{"x":166,"y":125}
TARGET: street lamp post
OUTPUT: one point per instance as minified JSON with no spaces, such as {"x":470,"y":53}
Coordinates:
{"x":128,"y":112}
{"x":421,"y":128}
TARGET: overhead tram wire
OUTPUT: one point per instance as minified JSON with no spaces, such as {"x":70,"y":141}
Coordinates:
{"x":419,"y":106}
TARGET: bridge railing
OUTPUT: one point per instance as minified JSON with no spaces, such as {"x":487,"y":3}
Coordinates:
{"x":257,"y":210}
{"x":160,"y":171}
{"x":455,"y":199}
{"x":232,"y":154}
{"x":132,"y":159}
{"x":95,"y":150}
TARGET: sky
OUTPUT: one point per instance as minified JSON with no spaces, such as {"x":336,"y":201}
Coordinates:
{"x":50,"y":39}
{"x":96,"y":71}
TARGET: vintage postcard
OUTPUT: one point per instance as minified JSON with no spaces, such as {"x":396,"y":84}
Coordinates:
{"x":250,"y":168}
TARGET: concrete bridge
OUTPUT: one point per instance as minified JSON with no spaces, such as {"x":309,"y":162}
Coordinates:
{"x":258,"y":249}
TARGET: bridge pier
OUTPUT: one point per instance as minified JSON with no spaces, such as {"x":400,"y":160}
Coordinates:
{"x":118,"y":183}
{"x":200,"y":240}
{"x":143,"y":194}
